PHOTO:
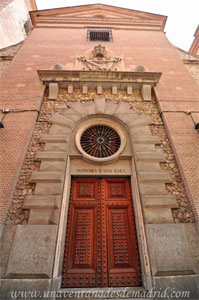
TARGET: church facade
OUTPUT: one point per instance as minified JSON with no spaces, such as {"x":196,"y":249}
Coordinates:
{"x":100,"y":163}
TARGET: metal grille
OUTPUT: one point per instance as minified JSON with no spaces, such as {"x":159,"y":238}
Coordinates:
{"x":100,"y":141}
{"x":99,"y":34}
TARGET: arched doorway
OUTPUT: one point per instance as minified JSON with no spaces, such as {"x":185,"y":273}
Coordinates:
{"x":134,"y":134}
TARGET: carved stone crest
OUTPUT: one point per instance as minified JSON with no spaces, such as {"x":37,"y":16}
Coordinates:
{"x":100,"y":60}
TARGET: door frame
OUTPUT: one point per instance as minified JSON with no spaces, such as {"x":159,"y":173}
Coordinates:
{"x":141,"y":235}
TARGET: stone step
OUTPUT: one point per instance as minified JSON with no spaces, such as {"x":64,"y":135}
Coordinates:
{"x":139,"y":122}
{"x":57,"y":147}
{"x":61,"y":120}
{"x":144,"y":148}
{"x":150,"y":156}
{"x":41,"y":201}
{"x":153,"y":189}
{"x":148,"y":166}
{"x":168,"y":201}
{"x":146,"y":140}
{"x":50,"y":156}
{"x":51,"y":138}
{"x":54,"y":177}
{"x":52,"y":166}
{"x":140,"y":131}
{"x":43,"y":217}
{"x":58,"y":130}
{"x":48,"y":188}
{"x":154,"y":177}
{"x":158,"y":215}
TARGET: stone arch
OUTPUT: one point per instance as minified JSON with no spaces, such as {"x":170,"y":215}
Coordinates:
{"x":156,"y":201}
{"x":53,"y":180}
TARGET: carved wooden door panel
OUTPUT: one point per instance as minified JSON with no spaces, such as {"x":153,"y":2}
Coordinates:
{"x":82,"y":245}
{"x":101,"y":246}
{"x":122,"y":247}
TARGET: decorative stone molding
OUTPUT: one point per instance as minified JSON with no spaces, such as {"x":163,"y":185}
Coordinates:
{"x":119,"y":19}
{"x":99,"y":89}
{"x":115,"y":80}
{"x":146,"y":92}
{"x":53,"y":91}
{"x":156,"y":201}
{"x":99,"y":50}
{"x":85,"y":89}
{"x":70,"y":89}
{"x":99,"y":59}
{"x":129,"y":90}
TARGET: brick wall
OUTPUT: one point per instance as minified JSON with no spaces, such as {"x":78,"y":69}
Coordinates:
{"x":6,"y":56}
{"x":22,"y":90}
{"x":191,"y":62}
{"x":14,"y":137}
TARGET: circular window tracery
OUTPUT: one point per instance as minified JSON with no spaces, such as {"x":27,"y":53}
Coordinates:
{"x":100,"y":141}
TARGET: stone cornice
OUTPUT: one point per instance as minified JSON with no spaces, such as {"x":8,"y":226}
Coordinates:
{"x":88,"y":22}
{"x":113,"y":16}
{"x":83,"y":26}
{"x":107,"y":78}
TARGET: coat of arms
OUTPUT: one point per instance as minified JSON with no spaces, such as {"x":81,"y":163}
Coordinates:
{"x":99,"y":61}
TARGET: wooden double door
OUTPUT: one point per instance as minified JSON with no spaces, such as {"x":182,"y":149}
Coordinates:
{"x":101,"y":245}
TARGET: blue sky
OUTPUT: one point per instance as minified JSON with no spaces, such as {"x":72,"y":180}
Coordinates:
{"x":183,"y":16}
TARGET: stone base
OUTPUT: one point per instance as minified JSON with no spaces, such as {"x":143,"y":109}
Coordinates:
{"x":177,"y":287}
{"x":32,"y":253}
{"x":5,"y":246}
{"x":169,"y":250}
{"x":25,"y":288}
{"x":164,"y":287}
